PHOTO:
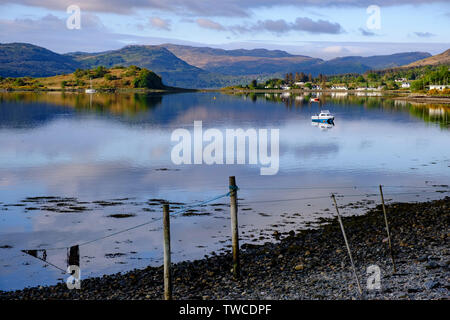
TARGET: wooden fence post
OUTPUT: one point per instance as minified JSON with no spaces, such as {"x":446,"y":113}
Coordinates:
{"x":234,"y":226}
{"x":346,"y":243}
{"x":387,"y":229}
{"x":167,"y":275}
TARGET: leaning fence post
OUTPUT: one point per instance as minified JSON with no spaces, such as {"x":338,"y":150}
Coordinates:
{"x":346,"y":243}
{"x":167,"y":276}
{"x":234,"y":226}
{"x":387,"y":229}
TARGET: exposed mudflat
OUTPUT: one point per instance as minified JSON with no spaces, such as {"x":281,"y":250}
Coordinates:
{"x":310,"y":264}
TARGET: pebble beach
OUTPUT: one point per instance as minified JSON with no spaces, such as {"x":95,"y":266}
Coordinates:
{"x":310,"y":264}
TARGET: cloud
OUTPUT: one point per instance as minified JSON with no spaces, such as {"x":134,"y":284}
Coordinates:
{"x":240,"y":8}
{"x":424,"y":34}
{"x":158,"y":23}
{"x":367,"y":33}
{"x":281,"y":26}
{"x":209,"y":24}
{"x":319,"y":26}
{"x":337,"y":50}
{"x":51,"y":32}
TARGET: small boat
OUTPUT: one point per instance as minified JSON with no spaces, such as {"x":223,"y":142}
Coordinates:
{"x":315,"y":100}
{"x":90,"y":90}
{"x":324,"y":117}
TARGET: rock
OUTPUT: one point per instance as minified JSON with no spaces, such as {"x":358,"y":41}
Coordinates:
{"x":431,"y":284}
{"x":422,"y":258}
{"x":432,"y":265}
{"x":299,"y":267}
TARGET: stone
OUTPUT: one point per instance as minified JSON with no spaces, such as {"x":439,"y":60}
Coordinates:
{"x":299,"y":267}
{"x":431,"y":284}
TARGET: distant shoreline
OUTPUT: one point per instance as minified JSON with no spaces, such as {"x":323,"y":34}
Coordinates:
{"x":394,"y":94}
{"x":112,"y":90}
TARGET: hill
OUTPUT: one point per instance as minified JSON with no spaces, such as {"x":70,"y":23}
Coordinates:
{"x":175,"y":71}
{"x":101,"y":78}
{"x":241,"y":62}
{"x":277,"y":62}
{"x":190,"y":67}
{"x":23,"y":59}
{"x":442,"y":58}
{"x":358,"y":64}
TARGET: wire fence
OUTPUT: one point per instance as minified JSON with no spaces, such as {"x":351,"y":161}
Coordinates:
{"x":184,"y":208}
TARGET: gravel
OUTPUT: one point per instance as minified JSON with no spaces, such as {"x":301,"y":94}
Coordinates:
{"x":311,"y":264}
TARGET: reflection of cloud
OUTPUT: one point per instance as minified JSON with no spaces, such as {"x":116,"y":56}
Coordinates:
{"x":310,"y":150}
{"x":365,"y":144}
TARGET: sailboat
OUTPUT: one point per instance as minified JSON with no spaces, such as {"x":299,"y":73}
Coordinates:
{"x":90,"y":90}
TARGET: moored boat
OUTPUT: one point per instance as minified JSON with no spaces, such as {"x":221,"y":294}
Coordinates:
{"x":324,"y":117}
{"x":90,"y":90}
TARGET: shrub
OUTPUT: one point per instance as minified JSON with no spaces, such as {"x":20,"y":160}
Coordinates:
{"x":147,"y":79}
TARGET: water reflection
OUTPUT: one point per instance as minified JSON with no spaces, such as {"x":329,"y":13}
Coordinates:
{"x":323,"y":126}
{"x":93,"y":151}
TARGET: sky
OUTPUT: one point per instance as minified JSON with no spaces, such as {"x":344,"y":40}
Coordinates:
{"x":318,"y":28}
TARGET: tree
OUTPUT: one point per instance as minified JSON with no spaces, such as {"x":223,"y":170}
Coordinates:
{"x":19,"y":82}
{"x":148,"y":79}
{"x":79,"y":73}
{"x":100,"y":71}
{"x":254,"y":84}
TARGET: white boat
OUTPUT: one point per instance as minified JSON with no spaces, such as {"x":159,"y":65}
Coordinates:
{"x":324,"y":117}
{"x":90,"y":90}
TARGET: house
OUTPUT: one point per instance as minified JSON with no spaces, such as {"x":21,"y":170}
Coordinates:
{"x":406,"y":85}
{"x":400,"y":80}
{"x":285,"y":87}
{"x":339,"y":88}
{"x":316,"y":87}
{"x":439,"y":86}
{"x":299,"y":83}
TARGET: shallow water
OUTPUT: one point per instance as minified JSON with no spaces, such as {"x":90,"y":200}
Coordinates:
{"x":104,"y":156}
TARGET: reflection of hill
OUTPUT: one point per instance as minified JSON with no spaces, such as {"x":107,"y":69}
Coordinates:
{"x":25,"y":110}
{"x":433,"y":113}
{"x":29,"y":109}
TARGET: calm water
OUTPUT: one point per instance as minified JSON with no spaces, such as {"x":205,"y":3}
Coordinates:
{"x":116,"y":149}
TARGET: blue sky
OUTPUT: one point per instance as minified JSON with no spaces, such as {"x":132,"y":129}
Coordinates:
{"x":319,"y":28}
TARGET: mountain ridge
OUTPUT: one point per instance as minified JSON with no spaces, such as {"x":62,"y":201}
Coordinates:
{"x":191,"y":67}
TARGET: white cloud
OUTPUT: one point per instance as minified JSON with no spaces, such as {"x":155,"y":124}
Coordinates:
{"x":158,"y":23}
{"x":209,"y":24}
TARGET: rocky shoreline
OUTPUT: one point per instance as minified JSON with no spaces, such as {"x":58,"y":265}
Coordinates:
{"x":311,"y":264}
